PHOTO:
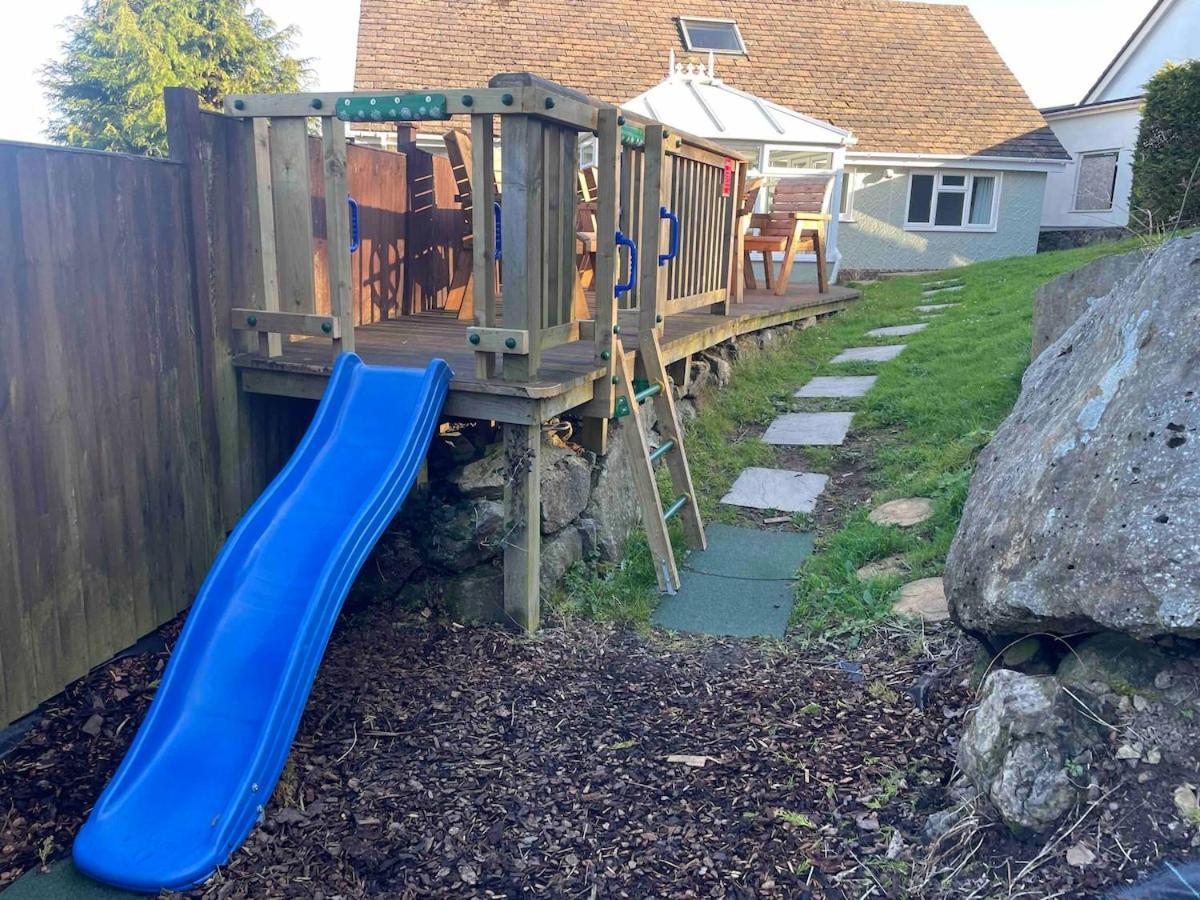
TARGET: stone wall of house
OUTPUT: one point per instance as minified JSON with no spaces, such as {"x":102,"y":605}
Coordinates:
{"x":876,"y":240}
{"x":444,"y":550}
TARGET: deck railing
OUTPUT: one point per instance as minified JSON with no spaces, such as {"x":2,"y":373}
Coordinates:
{"x":664,"y":210}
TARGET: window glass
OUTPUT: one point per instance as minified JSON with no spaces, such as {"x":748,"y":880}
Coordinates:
{"x":1097,"y":181}
{"x":706,"y":34}
{"x":920,"y":198}
{"x":954,"y":180}
{"x":983,"y":190}
{"x":844,"y":206}
{"x":799,"y":159}
{"x":949,"y":208}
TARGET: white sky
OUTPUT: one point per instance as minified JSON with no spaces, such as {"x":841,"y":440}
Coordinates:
{"x":1057,"y":48}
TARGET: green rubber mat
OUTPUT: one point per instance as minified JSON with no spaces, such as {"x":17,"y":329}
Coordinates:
{"x":741,"y":586}
{"x":62,"y":882}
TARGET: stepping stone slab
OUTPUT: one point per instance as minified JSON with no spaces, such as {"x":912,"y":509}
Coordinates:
{"x":951,"y":289}
{"x":827,"y":429}
{"x":925,"y":599}
{"x":897,"y":330}
{"x":870,"y":354}
{"x":740,"y":586}
{"x":837,"y":386}
{"x":883,"y":568}
{"x":905,"y":512}
{"x":943,"y":283}
{"x":934,"y":307}
{"x":776,"y":489}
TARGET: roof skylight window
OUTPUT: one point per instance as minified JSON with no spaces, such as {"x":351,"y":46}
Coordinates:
{"x":715,"y":35}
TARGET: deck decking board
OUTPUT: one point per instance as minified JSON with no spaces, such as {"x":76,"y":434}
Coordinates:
{"x":566,"y":373}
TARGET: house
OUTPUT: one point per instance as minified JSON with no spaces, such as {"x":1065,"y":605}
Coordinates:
{"x":1091,"y":194}
{"x":947,"y":157}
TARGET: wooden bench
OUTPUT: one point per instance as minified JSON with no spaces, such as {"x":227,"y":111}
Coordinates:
{"x":797,"y":221}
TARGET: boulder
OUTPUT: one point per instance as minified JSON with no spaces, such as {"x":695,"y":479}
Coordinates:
{"x":1083,"y":512}
{"x":559,"y":553}
{"x":613,"y":505}
{"x":1062,"y":300}
{"x":720,"y":367}
{"x":566,"y":487}
{"x":461,"y":535}
{"x":476,"y":596}
{"x":1017,"y":745}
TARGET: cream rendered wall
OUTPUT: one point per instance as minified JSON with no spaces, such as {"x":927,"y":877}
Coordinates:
{"x":1082,"y":131}
{"x":1173,"y":37}
{"x":875,"y":238}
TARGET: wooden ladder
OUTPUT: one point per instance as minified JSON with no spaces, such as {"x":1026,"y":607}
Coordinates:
{"x":649,"y":382}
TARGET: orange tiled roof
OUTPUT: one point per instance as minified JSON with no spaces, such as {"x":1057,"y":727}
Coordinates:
{"x":904,"y":77}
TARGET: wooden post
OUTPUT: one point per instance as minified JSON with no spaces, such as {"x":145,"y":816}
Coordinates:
{"x":522,"y":169}
{"x":337,"y":231}
{"x":607,"y":185}
{"x":656,"y":188}
{"x":483,"y":233}
{"x":293,"y":214}
{"x":406,"y":143}
{"x":263,"y":239}
{"x":523,"y":525}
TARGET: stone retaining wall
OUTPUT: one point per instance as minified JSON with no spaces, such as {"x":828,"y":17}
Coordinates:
{"x":444,"y":549}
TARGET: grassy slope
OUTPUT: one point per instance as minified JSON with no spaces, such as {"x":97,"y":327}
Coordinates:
{"x":928,"y":415}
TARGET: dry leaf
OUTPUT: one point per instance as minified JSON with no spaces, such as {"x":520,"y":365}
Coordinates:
{"x":1080,"y":855}
{"x":696,"y":762}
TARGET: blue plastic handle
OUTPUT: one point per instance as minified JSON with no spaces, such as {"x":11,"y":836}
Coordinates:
{"x":628,"y":286}
{"x":664,"y":213}
{"x":355,"y":236}
{"x":496,"y":209}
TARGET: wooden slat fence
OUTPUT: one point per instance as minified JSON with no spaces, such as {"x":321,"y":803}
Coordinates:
{"x":127,"y":450}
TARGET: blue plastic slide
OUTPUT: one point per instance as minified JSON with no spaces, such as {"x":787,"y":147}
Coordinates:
{"x":206,"y":758}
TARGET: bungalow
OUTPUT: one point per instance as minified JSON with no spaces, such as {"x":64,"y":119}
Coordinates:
{"x":1090,"y":195}
{"x":938,"y":156}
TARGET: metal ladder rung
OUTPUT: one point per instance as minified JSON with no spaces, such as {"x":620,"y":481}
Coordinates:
{"x":680,"y":502}
{"x":662,"y":450}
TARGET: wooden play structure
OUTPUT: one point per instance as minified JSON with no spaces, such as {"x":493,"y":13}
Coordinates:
{"x":665,"y":279}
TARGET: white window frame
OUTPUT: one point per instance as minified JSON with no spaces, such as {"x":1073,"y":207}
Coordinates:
{"x":848,"y":193}
{"x":1112,"y":200}
{"x":968,"y":183}
{"x":784,"y":171}
{"x":687,"y":37}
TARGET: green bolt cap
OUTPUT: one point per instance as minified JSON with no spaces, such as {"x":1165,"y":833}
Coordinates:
{"x":615,"y":379}
{"x":239,"y":104}
{"x":510,"y":343}
{"x":616,"y":329}
{"x":658,"y":318}
{"x":549,"y":103}
{"x":326,"y":327}
{"x":251,"y":321}
{"x":620,"y":120}
{"x":474,"y":339}
{"x":317,"y":103}
{"x":507,"y":99}
{"x":678,"y":142}
{"x":468,"y":100}
{"x":604,"y":355}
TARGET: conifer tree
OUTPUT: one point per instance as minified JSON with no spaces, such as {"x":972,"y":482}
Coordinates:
{"x":107,"y":89}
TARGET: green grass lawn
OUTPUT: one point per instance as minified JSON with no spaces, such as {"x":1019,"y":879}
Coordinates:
{"x":921,"y":426}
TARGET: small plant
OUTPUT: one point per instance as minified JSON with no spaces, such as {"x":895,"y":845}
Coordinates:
{"x":796,"y":818}
{"x":45,"y":849}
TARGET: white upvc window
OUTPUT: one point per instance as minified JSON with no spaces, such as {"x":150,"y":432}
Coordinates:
{"x":952,"y":201}
{"x":846,"y":201}
{"x":1096,"y":181}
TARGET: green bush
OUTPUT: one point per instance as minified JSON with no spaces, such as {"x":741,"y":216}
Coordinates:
{"x":1166,"y":163}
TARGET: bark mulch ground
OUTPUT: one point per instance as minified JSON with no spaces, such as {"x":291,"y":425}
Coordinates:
{"x":435,"y":760}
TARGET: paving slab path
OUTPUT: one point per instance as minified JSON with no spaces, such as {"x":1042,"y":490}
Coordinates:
{"x":905,"y":512}
{"x":897,"y":330}
{"x":934,"y":307}
{"x":949,"y":289}
{"x":837,"y":386}
{"x":781,"y":489}
{"x":924,"y":598}
{"x":823,"y":429}
{"x":870,"y":354}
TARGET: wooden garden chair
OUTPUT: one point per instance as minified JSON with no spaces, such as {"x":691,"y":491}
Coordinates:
{"x":797,"y":221}
{"x":586,"y":224}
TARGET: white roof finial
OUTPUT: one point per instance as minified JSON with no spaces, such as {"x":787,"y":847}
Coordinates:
{"x":712,"y":65}
{"x":671,"y":64}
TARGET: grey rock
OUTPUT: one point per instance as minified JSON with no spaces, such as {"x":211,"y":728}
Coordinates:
{"x":462,"y":535}
{"x":559,"y":553}
{"x":941,"y":822}
{"x":700,"y":377}
{"x":1062,"y":300}
{"x":720,"y":367}
{"x":589,"y":533}
{"x":1016,"y":745}
{"x":686,"y":411}
{"x":1084,"y":511}
{"x":1113,"y":663}
{"x":566,"y":487}
{"x":483,"y":478}
{"x":613,"y":504}
{"x":476,"y":596}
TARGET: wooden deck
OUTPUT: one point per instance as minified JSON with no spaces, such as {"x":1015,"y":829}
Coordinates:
{"x":567,"y":373}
